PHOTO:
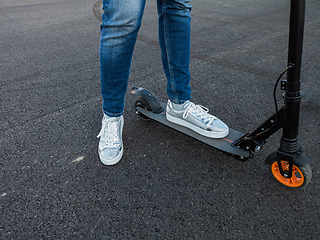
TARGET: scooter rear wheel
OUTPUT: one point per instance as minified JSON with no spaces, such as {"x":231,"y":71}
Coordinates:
{"x":141,"y":102}
{"x":301,"y":176}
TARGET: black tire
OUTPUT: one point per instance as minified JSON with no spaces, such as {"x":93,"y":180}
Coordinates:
{"x":141,"y":102}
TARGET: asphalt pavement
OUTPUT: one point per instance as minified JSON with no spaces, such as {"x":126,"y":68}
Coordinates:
{"x":167,"y":186}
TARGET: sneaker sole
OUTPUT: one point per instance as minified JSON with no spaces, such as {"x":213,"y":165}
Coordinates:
{"x":112,"y":161}
{"x":197,"y":129}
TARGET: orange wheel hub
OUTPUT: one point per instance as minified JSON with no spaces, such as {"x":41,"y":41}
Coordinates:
{"x":297,"y":178}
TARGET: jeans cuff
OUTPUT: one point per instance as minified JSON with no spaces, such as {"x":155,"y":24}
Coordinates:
{"x":179,"y":101}
{"x":113,"y":114}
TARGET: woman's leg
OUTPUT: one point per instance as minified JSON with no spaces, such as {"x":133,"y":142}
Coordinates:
{"x":174,"y":38}
{"x":120,"y":25}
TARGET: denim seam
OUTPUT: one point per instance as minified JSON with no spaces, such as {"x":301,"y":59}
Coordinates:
{"x":167,"y":44}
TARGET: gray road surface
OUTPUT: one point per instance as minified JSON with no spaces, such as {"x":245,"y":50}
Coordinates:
{"x":167,"y":186}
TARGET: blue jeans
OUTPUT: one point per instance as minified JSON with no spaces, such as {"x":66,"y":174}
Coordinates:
{"x":120,"y":25}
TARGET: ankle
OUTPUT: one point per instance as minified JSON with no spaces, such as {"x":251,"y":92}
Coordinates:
{"x":179,"y":106}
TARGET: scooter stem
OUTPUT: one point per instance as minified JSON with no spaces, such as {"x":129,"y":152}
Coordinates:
{"x":289,"y":139}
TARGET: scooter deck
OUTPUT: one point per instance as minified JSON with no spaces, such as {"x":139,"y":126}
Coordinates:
{"x":223,"y":144}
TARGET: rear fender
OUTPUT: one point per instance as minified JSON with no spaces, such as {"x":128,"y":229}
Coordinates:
{"x":151,"y":99}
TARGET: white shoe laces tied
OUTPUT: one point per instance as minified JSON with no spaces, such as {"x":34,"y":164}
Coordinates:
{"x":109,"y":134}
{"x":200,"y":112}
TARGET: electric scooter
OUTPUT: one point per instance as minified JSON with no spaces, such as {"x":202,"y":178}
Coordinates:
{"x":288,"y":164}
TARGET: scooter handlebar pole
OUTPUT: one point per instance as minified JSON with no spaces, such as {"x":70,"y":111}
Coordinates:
{"x":289,"y":140}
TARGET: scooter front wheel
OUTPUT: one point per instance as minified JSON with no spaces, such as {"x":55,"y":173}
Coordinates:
{"x":301,"y":176}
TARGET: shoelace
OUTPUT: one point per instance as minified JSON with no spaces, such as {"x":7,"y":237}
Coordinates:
{"x":109,"y":134}
{"x":200,"y":112}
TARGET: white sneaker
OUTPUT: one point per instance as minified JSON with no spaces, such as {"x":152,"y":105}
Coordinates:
{"x":110,"y":144}
{"x":197,"y":118}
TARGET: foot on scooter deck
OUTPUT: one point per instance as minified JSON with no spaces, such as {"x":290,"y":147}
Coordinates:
{"x":224,"y":144}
